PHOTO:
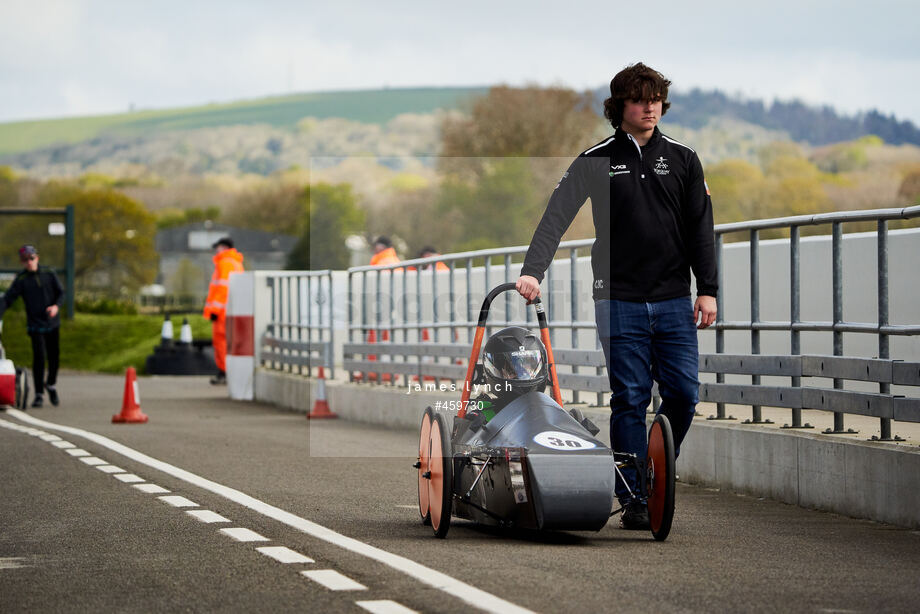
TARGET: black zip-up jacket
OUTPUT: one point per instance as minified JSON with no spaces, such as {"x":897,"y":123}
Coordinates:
{"x":39,"y":290}
{"x":652,"y":219}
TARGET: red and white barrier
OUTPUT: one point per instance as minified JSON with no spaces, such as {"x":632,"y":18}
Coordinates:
{"x":241,"y":336}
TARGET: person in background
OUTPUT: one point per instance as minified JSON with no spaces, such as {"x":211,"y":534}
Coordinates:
{"x":226,"y":260}
{"x":430,"y":252}
{"x":384,"y":252}
{"x":42,"y":293}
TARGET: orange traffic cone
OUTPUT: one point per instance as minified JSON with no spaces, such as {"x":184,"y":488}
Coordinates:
{"x":320,"y":406}
{"x":130,"y":406}
{"x":385,"y":337}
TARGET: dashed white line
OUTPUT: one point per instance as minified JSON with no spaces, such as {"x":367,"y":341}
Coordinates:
{"x":177,"y":501}
{"x":152,"y":489}
{"x":49,"y":437}
{"x":77,"y":452}
{"x":333,"y":580}
{"x":92,"y":460}
{"x":384,"y":606}
{"x":431,"y":577}
{"x":62,"y":444}
{"x":244,"y":535}
{"x":109,"y":469}
{"x":128,"y":478}
{"x":283,"y":554}
{"x":207,"y":516}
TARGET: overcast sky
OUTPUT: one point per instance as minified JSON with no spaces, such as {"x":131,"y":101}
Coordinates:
{"x":76,"y":57}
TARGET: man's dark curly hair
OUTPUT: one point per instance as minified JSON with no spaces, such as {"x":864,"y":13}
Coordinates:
{"x":635,"y":82}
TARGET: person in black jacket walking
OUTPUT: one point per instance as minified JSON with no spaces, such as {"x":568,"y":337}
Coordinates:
{"x":42,"y":293}
{"x":653,"y":223}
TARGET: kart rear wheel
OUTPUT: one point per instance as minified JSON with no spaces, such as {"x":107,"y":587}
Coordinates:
{"x":424,"y":435}
{"x":440,"y":484}
{"x":22,"y":388}
{"x":660,"y":477}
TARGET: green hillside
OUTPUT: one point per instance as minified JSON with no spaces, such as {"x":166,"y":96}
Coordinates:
{"x":368,"y":106}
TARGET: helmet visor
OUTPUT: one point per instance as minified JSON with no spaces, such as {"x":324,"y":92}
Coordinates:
{"x":516,"y":365}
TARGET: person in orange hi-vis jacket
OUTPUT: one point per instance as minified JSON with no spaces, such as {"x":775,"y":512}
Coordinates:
{"x":384,"y":252}
{"x":226,"y":260}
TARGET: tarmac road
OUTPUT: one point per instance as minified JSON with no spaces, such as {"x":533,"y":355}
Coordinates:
{"x":75,"y":538}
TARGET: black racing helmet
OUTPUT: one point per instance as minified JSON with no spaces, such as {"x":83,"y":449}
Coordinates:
{"x":514,"y":362}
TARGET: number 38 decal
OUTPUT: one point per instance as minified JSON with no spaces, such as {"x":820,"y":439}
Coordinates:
{"x":557,"y":440}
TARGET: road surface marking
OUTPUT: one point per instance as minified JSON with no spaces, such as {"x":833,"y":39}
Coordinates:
{"x":77,"y":452}
{"x":283,"y":554}
{"x":109,"y":469}
{"x":441,"y":581}
{"x":151,"y":489}
{"x":129,"y":478}
{"x":406,"y":507}
{"x":333,"y":580}
{"x":177,"y":501}
{"x":244,"y":535}
{"x":49,"y":437}
{"x":12,"y":562}
{"x":384,"y":606}
{"x":207,"y":516}
{"x":92,"y":460}
{"x":62,"y":444}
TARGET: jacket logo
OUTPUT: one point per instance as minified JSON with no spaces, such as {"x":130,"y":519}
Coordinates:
{"x":618,"y":169}
{"x":564,"y":175}
{"x":598,"y":284}
{"x":661,"y":166}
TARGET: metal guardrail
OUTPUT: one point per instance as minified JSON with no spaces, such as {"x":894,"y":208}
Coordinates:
{"x":795,"y":366}
{"x":882,"y":328}
{"x":299,"y":335}
{"x":411,"y":272}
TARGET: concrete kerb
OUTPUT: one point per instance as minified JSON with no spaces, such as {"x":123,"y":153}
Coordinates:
{"x":873,"y":480}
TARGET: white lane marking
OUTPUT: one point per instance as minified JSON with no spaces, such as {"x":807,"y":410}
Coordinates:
{"x":77,"y":452}
{"x":129,"y":478}
{"x":283,"y":554}
{"x":244,"y":535}
{"x":207,"y":516}
{"x":151,"y":489}
{"x":62,"y":444}
{"x":441,"y":581}
{"x":12,"y":562}
{"x":177,"y":501}
{"x":333,"y":580}
{"x":49,"y":437}
{"x":109,"y":469}
{"x":384,"y":606}
{"x":408,"y":507}
{"x":92,"y":460}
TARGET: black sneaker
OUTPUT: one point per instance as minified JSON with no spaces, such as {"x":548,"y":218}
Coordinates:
{"x":219,"y":379}
{"x":38,"y":401}
{"x":53,"y":395}
{"x":635,"y":516}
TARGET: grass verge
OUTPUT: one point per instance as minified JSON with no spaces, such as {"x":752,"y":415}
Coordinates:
{"x":101,"y":343}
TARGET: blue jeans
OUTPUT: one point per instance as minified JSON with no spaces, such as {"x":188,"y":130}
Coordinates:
{"x":642,"y":342}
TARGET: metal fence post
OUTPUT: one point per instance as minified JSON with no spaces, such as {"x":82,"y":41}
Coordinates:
{"x":573,"y":291}
{"x":837,"y":275}
{"x":756,"y":414}
{"x":720,"y":318}
{"x":884,"y":350}
{"x":795,"y":315}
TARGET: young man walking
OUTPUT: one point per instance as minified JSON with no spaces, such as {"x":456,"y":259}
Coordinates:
{"x":42,"y":293}
{"x":653,"y":224}
{"x":226,"y":260}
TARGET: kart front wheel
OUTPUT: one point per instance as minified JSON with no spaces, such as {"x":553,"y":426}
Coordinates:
{"x":440,"y":482}
{"x":660,"y":466}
